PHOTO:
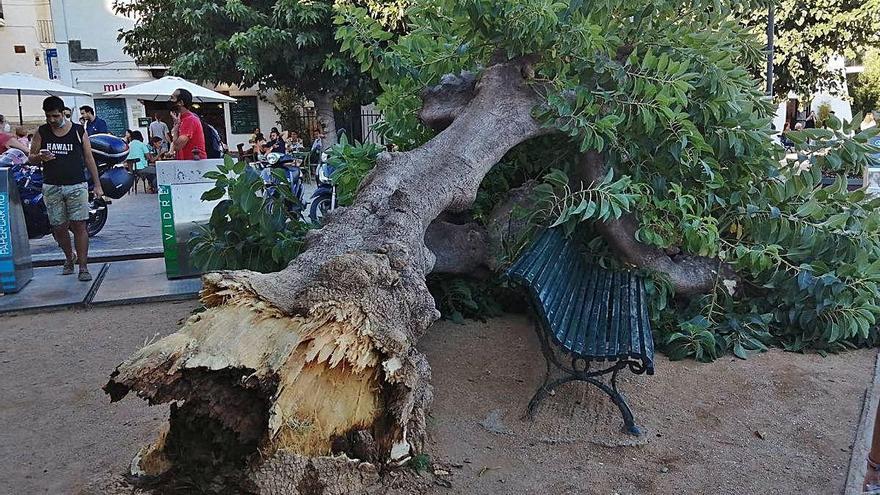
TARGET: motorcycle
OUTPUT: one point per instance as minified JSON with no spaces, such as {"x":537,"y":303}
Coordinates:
{"x":290,"y":168}
{"x":323,"y":200}
{"x":108,"y":151}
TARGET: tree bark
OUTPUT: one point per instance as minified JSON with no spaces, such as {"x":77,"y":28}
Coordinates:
{"x":690,"y":275}
{"x":324,"y":109}
{"x":320,"y":358}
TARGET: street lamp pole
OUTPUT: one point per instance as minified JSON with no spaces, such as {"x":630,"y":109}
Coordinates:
{"x":771,"y":27}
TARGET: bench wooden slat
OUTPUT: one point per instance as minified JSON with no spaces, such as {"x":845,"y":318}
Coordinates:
{"x":598,"y":337}
{"x":645,"y":334}
{"x":587,"y":340}
{"x":613,"y":344}
{"x":579,"y":343}
{"x":634,"y":314}
{"x":573,"y":322}
{"x":551,"y":291}
{"x":562,"y":299}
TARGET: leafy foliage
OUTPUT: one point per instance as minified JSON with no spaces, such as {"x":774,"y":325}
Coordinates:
{"x":809,"y":33}
{"x":351,"y":163}
{"x":865,"y":89}
{"x":249,"y":229}
{"x":458,"y":297}
{"x":664,"y":92}
{"x":265,"y":43}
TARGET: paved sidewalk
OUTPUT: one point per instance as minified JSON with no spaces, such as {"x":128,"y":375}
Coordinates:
{"x":132,"y":229}
{"x":118,"y":282}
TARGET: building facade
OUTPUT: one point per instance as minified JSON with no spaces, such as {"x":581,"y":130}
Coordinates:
{"x":27,"y":45}
{"x":93,"y":60}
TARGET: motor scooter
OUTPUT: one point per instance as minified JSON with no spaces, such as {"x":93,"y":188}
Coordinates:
{"x":108,"y":150}
{"x":323,"y":200}
{"x":289,"y":165}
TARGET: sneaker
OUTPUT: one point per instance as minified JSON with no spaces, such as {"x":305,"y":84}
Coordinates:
{"x":84,"y":276}
{"x":68,"y":266}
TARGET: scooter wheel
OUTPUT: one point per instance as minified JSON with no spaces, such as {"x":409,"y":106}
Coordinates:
{"x":96,"y":221}
{"x":320,"y":207}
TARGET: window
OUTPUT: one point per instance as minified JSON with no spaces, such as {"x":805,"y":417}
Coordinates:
{"x":19,"y":49}
{"x":1,"y":11}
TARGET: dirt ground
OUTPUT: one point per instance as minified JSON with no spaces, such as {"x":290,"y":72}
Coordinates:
{"x":777,"y":423}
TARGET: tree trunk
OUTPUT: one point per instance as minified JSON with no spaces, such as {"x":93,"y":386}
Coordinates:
{"x":320,"y":358}
{"x":324,"y":109}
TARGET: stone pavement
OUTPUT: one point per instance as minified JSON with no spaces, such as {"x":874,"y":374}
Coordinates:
{"x":132,"y":229}
{"x":117,"y":282}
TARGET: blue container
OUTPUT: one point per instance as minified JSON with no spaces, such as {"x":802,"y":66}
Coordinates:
{"x":16,"y":269}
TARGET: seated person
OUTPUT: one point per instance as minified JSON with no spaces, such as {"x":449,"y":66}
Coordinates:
{"x":294,"y":142}
{"x":276,"y":143}
{"x":22,"y":135}
{"x":9,"y":141}
{"x":259,"y":148}
{"x":317,"y":146}
{"x":141,"y":155}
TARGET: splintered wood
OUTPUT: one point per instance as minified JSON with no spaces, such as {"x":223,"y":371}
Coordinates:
{"x":322,"y":371}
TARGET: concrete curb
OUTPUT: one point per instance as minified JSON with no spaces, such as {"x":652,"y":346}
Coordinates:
{"x":102,"y":256}
{"x":862,"y":441}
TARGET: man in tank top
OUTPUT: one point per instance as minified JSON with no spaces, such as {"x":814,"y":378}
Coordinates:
{"x":64,"y":150}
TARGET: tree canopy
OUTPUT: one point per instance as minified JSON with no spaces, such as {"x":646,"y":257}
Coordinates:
{"x":265,"y":43}
{"x":809,"y":33}
{"x":664,"y":96}
{"x":865,"y":87}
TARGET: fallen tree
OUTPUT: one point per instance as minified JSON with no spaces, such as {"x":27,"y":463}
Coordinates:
{"x":285,"y":369}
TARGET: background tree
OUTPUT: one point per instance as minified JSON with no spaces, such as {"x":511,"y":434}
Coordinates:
{"x":809,"y":33}
{"x":663,"y":161}
{"x":865,"y":87}
{"x":264,"y":43}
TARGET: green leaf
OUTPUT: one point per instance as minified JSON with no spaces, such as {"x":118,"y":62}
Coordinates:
{"x":213,"y":194}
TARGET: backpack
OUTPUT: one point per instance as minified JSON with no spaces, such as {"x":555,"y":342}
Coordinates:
{"x":213,"y":144}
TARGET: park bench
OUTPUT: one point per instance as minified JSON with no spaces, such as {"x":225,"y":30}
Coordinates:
{"x":595,"y":317}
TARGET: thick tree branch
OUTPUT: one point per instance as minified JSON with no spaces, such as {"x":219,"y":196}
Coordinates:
{"x":690,"y":275}
{"x":458,"y":249}
{"x":442,"y":103}
{"x":470,"y":248}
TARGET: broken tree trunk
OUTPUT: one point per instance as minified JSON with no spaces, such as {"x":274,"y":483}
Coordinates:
{"x":320,"y":358}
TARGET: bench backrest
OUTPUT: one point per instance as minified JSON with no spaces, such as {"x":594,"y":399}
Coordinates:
{"x":591,"y":312}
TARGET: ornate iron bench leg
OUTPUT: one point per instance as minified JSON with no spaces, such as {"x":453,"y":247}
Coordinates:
{"x":629,"y":425}
{"x":628,"y":421}
{"x":542,"y":391}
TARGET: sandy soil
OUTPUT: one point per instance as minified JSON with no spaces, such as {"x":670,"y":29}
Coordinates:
{"x":57,"y":427}
{"x":778,"y":423}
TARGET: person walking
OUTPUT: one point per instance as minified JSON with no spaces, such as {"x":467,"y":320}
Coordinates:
{"x":189,"y":139}
{"x":64,"y":150}
{"x":92,"y":123}
{"x":160,"y":129}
